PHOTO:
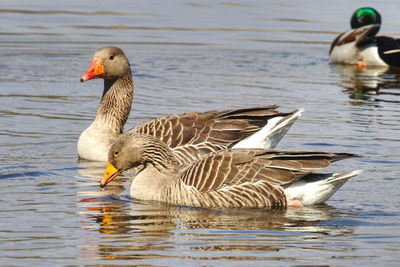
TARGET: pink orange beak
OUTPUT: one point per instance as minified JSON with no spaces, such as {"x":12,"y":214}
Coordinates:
{"x":109,"y":175}
{"x":94,"y":71}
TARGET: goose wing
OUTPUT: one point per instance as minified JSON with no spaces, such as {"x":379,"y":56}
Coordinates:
{"x":228,"y":168}
{"x":189,"y":153}
{"x":224,"y":128}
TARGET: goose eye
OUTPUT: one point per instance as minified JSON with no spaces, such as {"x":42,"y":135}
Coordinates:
{"x":111,"y":57}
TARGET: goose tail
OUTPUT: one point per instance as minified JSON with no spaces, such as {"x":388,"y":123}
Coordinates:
{"x":317,"y":188}
{"x":270,"y":135}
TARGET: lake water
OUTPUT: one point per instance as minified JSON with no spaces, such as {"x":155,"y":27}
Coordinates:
{"x":191,"y":56}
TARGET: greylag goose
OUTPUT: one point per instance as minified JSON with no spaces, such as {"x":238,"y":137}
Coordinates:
{"x":225,"y":178}
{"x":261,"y":127}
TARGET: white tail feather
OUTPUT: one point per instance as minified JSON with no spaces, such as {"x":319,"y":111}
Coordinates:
{"x":270,"y":135}
{"x":392,"y":51}
{"x":317,"y":188}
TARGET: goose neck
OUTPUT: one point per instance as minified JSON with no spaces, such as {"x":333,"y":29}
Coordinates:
{"x":116,"y":103}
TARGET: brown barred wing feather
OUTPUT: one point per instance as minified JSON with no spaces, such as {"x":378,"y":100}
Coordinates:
{"x":218,"y":127}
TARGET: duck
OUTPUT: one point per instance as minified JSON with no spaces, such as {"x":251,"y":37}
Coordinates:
{"x":244,"y":127}
{"x":230,"y":178}
{"x":361,"y":47}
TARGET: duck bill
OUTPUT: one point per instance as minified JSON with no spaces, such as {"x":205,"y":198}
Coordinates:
{"x":109,"y":175}
{"x":95,"y":70}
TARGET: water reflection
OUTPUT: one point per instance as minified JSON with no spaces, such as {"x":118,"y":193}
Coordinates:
{"x":129,"y":226}
{"x":115,"y":216}
{"x":153,"y":227}
{"x":378,"y":84}
{"x":90,"y":175}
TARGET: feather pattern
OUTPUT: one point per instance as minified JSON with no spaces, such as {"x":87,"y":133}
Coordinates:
{"x":224,"y":178}
{"x":348,"y":47}
{"x":358,"y":36}
{"x":217,"y":127}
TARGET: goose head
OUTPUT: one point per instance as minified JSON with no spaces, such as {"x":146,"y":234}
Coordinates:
{"x":132,"y":150}
{"x":109,"y":63}
{"x":123,"y":155}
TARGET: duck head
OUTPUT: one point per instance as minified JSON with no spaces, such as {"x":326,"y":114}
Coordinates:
{"x":365,"y":16}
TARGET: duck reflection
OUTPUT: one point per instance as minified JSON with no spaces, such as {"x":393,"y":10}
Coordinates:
{"x":375,"y":84}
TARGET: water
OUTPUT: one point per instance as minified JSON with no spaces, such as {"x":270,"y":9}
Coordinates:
{"x":191,"y":56}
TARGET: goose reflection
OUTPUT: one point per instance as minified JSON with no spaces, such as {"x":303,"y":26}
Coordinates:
{"x":113,"y":216}
{"x":149,"y":230}
{"x":90,"y":175}
{"x":374,"y":84}
{"x":121,"y":228}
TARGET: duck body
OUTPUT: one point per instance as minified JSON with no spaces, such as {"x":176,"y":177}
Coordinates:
{"x":389,"y":50}
{"x":360,"y":45}
{"x":261,"y":127}
{"x":228,"y":178}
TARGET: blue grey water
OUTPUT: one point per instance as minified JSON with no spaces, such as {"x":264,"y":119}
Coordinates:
{"x":191,"y":56}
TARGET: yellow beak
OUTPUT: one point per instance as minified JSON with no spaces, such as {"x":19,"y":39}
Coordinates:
{"x":109,"y":175}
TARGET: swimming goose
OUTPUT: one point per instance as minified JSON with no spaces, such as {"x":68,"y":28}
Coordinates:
{"x":360,"y":45}
{"x":248,"y":127}
{"x":225,"y":178}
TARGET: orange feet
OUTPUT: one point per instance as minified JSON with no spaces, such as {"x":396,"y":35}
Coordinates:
{"x":295,"y":203}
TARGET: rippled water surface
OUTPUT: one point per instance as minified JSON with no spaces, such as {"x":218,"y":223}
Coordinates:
{"x":191,"y":56}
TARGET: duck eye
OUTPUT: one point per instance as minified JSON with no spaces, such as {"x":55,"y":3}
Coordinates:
{"x":111,"y":57}
{"x":116,"y":153}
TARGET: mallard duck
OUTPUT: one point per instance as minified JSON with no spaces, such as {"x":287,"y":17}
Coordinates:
{"x":360,"y":45}
{"x":226,"y":178}
{"x":261,"y":127}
